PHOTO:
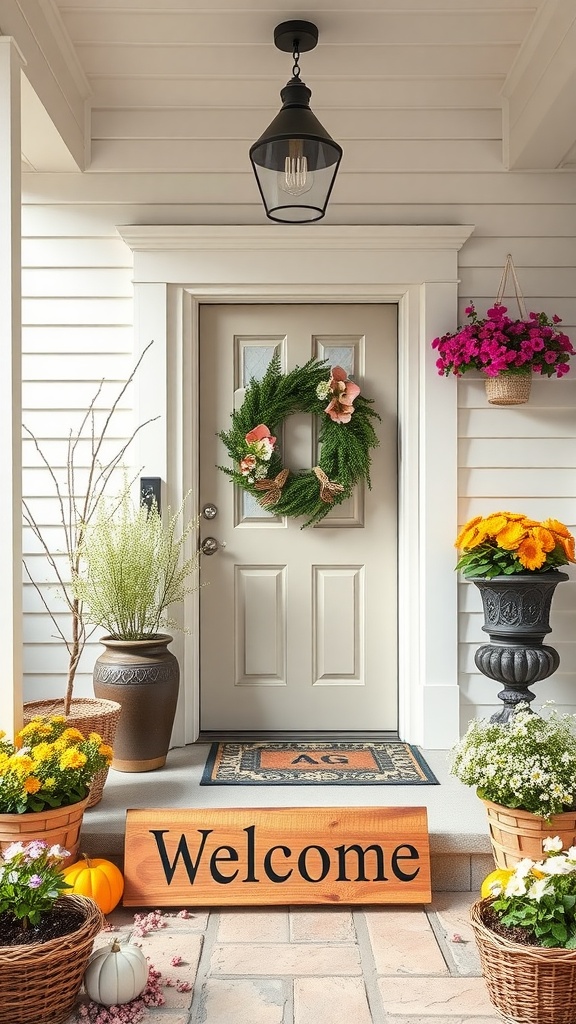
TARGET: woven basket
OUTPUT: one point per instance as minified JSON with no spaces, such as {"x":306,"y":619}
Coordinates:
{"x":508,"y":388}
{"x":39,"y":983}
{"x":526,"y":984}
{"x":88,"y":714}
{"x":56,"y":826}
{"x":515,"y":834}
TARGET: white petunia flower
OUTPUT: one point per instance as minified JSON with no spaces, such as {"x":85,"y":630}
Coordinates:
{"x":515,"y":887}
{"x":556,"y":866}
{"x":523,"y":867}
{"x":541,"y":887}
{"x":553,"y":844}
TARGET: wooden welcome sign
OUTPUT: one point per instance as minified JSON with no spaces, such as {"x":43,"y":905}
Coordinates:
{"x":251,"y":856}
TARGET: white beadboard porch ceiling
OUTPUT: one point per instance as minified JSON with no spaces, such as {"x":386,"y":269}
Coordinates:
{"x":404,"y":85}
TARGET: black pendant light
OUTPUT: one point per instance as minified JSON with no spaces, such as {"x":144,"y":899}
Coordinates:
{"x":295,"y":160}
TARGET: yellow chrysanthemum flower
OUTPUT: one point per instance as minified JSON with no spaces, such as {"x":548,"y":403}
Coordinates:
{"x":42,"y":752}
{"x":72,"y":759}
{"x":32,"y":784}
{"x":72,"y":736}
{"x":2,"y":734}
{"x":106,"y":752}
{"x":509,"y":538}
{"x":20,"y":763}
{"x":49,"y":783}
{"x":531,"y":554}
{"x":95,"y":737}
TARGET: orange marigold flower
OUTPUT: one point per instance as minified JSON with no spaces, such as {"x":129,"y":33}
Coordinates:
{"x":32,"y":784}
{"x":106,"y":752}
{"x":509,"y":538}
{"x":469,"y":539}
{"x":568,"y":545}
{"x":530,"y":553}
{"x":544,"y":537}
{"x":556,"y":527}
{"x":72,"y":759}
{"x":467,"y":526}
{"x":494,"y":524}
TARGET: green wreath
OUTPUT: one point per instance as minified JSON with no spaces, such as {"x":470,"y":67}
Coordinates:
{"x":346,"y":435}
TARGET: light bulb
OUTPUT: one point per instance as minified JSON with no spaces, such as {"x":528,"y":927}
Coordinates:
{"x":296,"y":179}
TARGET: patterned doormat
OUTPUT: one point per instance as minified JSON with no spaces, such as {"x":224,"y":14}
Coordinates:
{"x":389,"y":763}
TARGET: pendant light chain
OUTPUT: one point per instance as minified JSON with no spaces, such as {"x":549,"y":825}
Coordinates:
{"x":296,"y":58}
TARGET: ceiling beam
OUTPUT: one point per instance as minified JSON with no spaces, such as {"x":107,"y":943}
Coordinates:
{"x":53,"y":70}
{"x":539,"y":94}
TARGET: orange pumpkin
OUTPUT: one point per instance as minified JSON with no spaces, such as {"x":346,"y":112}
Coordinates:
{"x":97,"y":878}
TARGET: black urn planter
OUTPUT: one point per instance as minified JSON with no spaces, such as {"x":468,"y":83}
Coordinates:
{"x":517,"y":619}
{"x":144,"y":677}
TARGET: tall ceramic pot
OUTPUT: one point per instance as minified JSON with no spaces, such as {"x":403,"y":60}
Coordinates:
{"x":517,"y":619}
{"x":143,"y":676}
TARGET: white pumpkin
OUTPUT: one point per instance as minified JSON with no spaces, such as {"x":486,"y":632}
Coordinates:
{"x":116,"y":974}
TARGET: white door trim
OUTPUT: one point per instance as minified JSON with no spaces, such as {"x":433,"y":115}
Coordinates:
{"x":176,"y":268}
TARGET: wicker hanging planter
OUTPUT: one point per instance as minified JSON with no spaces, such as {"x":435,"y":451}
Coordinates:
{"x":508,"y":388}
{"x":40,"y":982}
{"x":88,"y":714}
{"x":526,"y":984}
{"x":515,"y":834}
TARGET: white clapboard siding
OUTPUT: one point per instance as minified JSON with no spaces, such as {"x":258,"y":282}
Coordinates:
{"x":205,"y":123}
{"x":522,"y":458}
{"x":77,"y":333}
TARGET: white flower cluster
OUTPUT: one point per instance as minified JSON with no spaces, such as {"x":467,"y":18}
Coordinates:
{"x":528,"y":763}
{"x":534,"y":879}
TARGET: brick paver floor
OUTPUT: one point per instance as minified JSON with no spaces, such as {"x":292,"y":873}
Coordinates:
{"x":319,"y":965}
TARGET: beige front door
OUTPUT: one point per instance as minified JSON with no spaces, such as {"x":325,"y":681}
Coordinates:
{"x":298,"y":627}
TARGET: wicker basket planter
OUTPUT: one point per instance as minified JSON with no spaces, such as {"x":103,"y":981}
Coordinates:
{"x":88,"y":714}
{"x":526,"y":984}
{"x":59,"y":825}
{"x":509,"y":388}
{"x":515,"y":834}
{"x":40,"y":982}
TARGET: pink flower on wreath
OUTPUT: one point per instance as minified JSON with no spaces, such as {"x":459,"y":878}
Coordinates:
{"x":248,"y":465}
{"x":344,"y":392}
{"x":260,"y":442}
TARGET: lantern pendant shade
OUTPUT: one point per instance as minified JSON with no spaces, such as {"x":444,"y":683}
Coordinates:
{"x":295,"y":160}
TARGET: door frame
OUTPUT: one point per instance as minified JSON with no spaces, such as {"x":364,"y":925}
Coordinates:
{"x":178,"y":268}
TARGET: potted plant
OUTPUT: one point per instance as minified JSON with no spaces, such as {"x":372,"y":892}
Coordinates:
{"x":133,"y":569}
{"x":507,"y":351}
{"x":514,"y":560}
{"x":45,"y":937}
{"x":45,"y":779}
{"x":524,"y":771}
{"x":526,"y":937}
{"x":78,"y":487}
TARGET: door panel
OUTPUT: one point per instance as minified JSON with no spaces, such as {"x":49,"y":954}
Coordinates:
{"x":298,"y":627}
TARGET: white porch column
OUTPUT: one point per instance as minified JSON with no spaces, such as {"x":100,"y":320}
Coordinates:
{"x":10,"y":386}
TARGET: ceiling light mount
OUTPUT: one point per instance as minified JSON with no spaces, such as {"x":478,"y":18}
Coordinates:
{"x":295,"y":160}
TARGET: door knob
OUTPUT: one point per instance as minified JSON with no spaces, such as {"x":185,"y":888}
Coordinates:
{"x":209,"y":546}
{"x":209,"y":511}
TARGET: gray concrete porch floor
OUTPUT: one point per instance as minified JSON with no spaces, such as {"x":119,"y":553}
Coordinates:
{"x":459,"y":843}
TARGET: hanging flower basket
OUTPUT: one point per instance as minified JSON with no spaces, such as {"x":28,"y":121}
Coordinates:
{"x":507,"y":351}
{"x":509,"y":388}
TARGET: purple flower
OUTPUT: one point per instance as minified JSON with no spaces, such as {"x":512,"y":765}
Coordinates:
{"x":35,"y":882}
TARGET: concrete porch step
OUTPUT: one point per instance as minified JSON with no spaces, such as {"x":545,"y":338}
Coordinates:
{"x":459,"y":842}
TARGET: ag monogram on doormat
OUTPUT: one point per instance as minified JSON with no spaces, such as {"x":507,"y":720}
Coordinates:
{"x":325,"y":763}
